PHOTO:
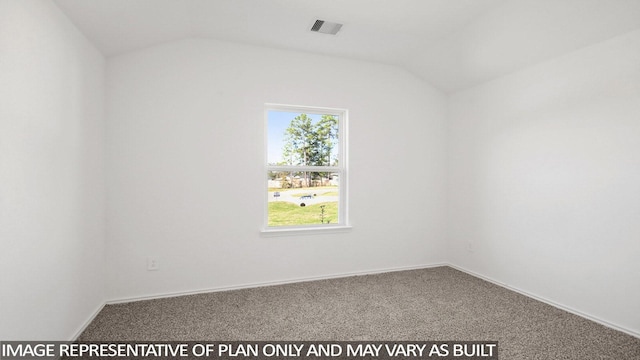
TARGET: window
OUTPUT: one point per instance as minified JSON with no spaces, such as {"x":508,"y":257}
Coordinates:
{"x":306,"y":168}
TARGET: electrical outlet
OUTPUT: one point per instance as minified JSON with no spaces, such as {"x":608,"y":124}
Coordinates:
{"x":470,"y":246}
{"x":153,"y":263}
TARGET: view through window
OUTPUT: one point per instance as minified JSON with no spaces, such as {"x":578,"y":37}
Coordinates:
{"x":305,"y":167}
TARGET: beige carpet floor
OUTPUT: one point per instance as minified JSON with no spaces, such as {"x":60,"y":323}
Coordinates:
{"x":437,"y":304}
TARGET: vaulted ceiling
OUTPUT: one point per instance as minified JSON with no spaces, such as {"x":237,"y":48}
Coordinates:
{"x":452,"y":44}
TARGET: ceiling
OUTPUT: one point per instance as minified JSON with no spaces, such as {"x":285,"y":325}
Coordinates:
{"x":452,"y":44}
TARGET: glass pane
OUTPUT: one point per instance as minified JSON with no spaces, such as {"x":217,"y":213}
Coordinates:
{"x":302,"y":198}
{"x":304,"y":139}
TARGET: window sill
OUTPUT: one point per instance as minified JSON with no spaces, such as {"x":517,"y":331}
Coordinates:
{"x":273,"y":232}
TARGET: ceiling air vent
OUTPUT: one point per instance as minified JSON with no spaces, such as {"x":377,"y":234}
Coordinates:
{"x":326,"y":27}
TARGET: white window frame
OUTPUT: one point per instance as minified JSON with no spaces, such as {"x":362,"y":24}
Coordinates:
{"x":341,"y":169}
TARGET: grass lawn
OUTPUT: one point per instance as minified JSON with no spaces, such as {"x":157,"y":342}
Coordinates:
{"x":330,"y":193}
{"x":286,"y":213}
{"x":316,"y":193}
{"x":305,"y":189}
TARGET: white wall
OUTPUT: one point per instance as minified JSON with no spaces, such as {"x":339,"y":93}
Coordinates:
{"x":51,"y":174}
{"x":544,"y":180}
{"x":185,"y":167}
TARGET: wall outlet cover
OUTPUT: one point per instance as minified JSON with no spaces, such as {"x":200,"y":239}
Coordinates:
{"x":152,"y":263}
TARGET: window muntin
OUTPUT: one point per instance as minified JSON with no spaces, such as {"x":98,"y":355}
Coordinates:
{"x":306,"y":167}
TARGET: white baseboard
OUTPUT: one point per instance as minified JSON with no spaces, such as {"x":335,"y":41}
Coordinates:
{"x":273,"y":283}
{"x":549,"y":302}
{"x":87,"y":322}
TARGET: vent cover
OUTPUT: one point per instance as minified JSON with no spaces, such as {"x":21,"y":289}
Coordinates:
{"x":326,"y":27}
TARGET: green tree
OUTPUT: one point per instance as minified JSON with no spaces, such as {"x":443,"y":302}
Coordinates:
{"x":327,"y":132}
{"x":300,"y":141}
{"x":311,"y":144}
